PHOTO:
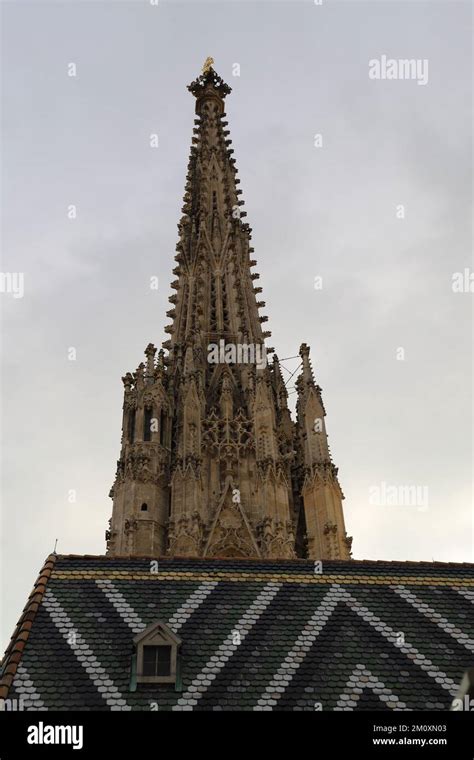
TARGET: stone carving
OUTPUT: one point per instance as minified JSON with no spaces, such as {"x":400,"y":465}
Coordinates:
{"x":231,"y":537}
{"x":185,"y":535}
{"x":276,"y":537}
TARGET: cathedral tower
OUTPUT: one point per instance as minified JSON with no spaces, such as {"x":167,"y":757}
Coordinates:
{"x":211,"y":462}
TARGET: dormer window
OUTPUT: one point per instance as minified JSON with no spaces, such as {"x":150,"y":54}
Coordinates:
{"x":157,"y":654}
{"x":157,"y":660}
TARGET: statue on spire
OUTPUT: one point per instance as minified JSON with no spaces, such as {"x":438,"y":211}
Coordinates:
{"x":207,"y":65}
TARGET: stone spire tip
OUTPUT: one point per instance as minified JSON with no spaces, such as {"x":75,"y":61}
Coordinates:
{"x":209,"y":84}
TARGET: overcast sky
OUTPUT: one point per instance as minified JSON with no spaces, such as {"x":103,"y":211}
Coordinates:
{"x":328,"y":211}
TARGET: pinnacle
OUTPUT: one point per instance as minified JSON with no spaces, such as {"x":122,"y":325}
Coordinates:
{"x":307,"y":371}
{"x":150,"y":350}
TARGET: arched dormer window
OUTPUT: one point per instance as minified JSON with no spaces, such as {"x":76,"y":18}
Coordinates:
{"x":147,"y":421}
{"x":157,"y":654}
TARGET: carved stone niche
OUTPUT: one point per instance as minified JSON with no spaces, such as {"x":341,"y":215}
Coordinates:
{"x":157,"y":654}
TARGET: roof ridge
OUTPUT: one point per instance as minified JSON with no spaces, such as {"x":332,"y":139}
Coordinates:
{"x":14,"y":651}
{"x":263,"y":560}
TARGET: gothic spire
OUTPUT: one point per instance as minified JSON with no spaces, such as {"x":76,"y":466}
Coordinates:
{"x":211,"y":463}
{"x":215,"y":293}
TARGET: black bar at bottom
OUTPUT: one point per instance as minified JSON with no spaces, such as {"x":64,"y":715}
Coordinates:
{"x":129,"y":734}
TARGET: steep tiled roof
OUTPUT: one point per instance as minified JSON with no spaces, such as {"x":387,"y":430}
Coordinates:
{"x":256,"y":634}
{"x":21,"y":633}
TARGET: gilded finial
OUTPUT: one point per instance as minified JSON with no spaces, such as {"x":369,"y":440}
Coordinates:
{"x":207,"y":64}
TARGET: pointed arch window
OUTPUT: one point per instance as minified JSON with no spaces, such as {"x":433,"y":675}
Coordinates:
{"x":147,"y":420}
{"x":163,"y":427}
{"x":131,"y":425}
